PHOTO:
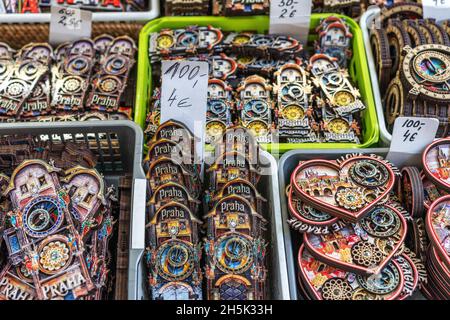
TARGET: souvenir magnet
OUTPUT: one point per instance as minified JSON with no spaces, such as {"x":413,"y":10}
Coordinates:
{"x":324,"y":282}
{"x":364,"y":247}
{"x":437,"y":225}
{"x":347,"y":188}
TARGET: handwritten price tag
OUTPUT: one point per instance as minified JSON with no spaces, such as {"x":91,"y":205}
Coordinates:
{"x":410,"y":137}
{"x":69,"y":24}
{"x":291,"y":17}
{"x":436,"y":9}
{"x":183,"y":95}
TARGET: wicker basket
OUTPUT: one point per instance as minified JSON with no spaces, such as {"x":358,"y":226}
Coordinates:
{"x":18,"y":35}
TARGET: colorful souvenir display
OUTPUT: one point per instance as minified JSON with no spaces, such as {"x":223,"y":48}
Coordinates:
{"x":83,"y":80}
{"x":334,"y":39}
{"x":235,"y":244}
{"x":58,"y":228}
{"x":267,"y":83}
{"x":217,"y":7}
{"x":240,"y":7}
{"x":411,"y":56}
{"x":42,"y":6}
{"x":437,"y":221}
{"x":174,"y":248}
{"x":353,"y":230}
{"x":186,"y":8}
{"x":351,"y":8}
{"x":426,"y":196}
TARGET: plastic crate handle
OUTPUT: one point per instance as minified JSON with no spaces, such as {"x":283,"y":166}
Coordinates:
{"x":137,"y":238}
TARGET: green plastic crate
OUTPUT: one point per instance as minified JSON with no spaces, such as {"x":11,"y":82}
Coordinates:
{"x":358,"y":70}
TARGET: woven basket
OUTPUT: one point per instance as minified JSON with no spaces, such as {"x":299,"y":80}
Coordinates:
{"x":18,"y":35}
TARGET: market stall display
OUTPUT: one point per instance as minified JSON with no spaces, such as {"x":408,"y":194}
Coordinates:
{"x":231,"y":262}
{"x":368,"y":257}
{"x":284,"y":194}
{"x":83,"y":79}
{"x":60,"y":224}
{"x":277,"y":89}
{"x":402,"y":43}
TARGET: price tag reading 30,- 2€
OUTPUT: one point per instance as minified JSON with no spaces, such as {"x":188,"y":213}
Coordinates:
{"x":290,"y":17}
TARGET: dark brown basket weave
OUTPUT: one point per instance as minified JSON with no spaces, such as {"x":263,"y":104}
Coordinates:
{"x":18,"y":35}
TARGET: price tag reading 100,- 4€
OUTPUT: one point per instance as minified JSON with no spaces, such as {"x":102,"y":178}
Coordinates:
{"x":410,"y":137}
{"x":290,"y":17}
{"x":184,"y":93}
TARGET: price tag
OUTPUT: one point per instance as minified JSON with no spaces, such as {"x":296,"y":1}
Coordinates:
{"x":436,"y":9}
{"x":291,"y":17}
{"x":183,"y":96}
{"x":410,"y":137}
{"x":69,"y":24}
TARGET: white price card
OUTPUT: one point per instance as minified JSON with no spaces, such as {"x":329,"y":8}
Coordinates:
{"x":436,"y":9}
{"x":69,"y":24}
{"x":291,"y":17}
{"x":410,"y":137}
{"x":183,"y":96}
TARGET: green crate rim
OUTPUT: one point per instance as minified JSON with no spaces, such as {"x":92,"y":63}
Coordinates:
{"x":259,"y":24}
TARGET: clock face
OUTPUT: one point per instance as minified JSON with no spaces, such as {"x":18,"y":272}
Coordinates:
{"x":241,"y":39}
{"x":217,"y":107}
{"x":255,"y":108}
{"x":215,"y":129}
{"x":187,"y":39}
{"x":283,"y":43}
{"x":175,"y":260}
{"x":265,"y":63}
{"x":427,"y":70}
{"x":338,"y":126}
{"x":290,"y":75}
{"x":258,"y":128}
{"x":245,"y":60}
{"x":116,"y":65}
{"x":292,"y":92}
{"x":78,"y":65}
{"x":233,"y":253}
{"x":42,"y":216}
{"x":333,"y":80}
{"x":293,"y":112}
{"x":164,"y":41}
{"x":385,"y":282}
{"x":381,"y":222}
{"x":432,"y":66}
{"x":343,"y":98}
{"x":54,"y":254}
{"x":263,"y":40}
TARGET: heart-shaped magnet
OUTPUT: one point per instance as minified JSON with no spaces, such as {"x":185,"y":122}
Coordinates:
{"x":436,"y":163}
{"x":305,"y":218}
{"x":324,"y":282}
{"x":347,"y":188}
{"x":430,"y":191}
{"x":364,"y":247}
{"x":437,"y":224}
